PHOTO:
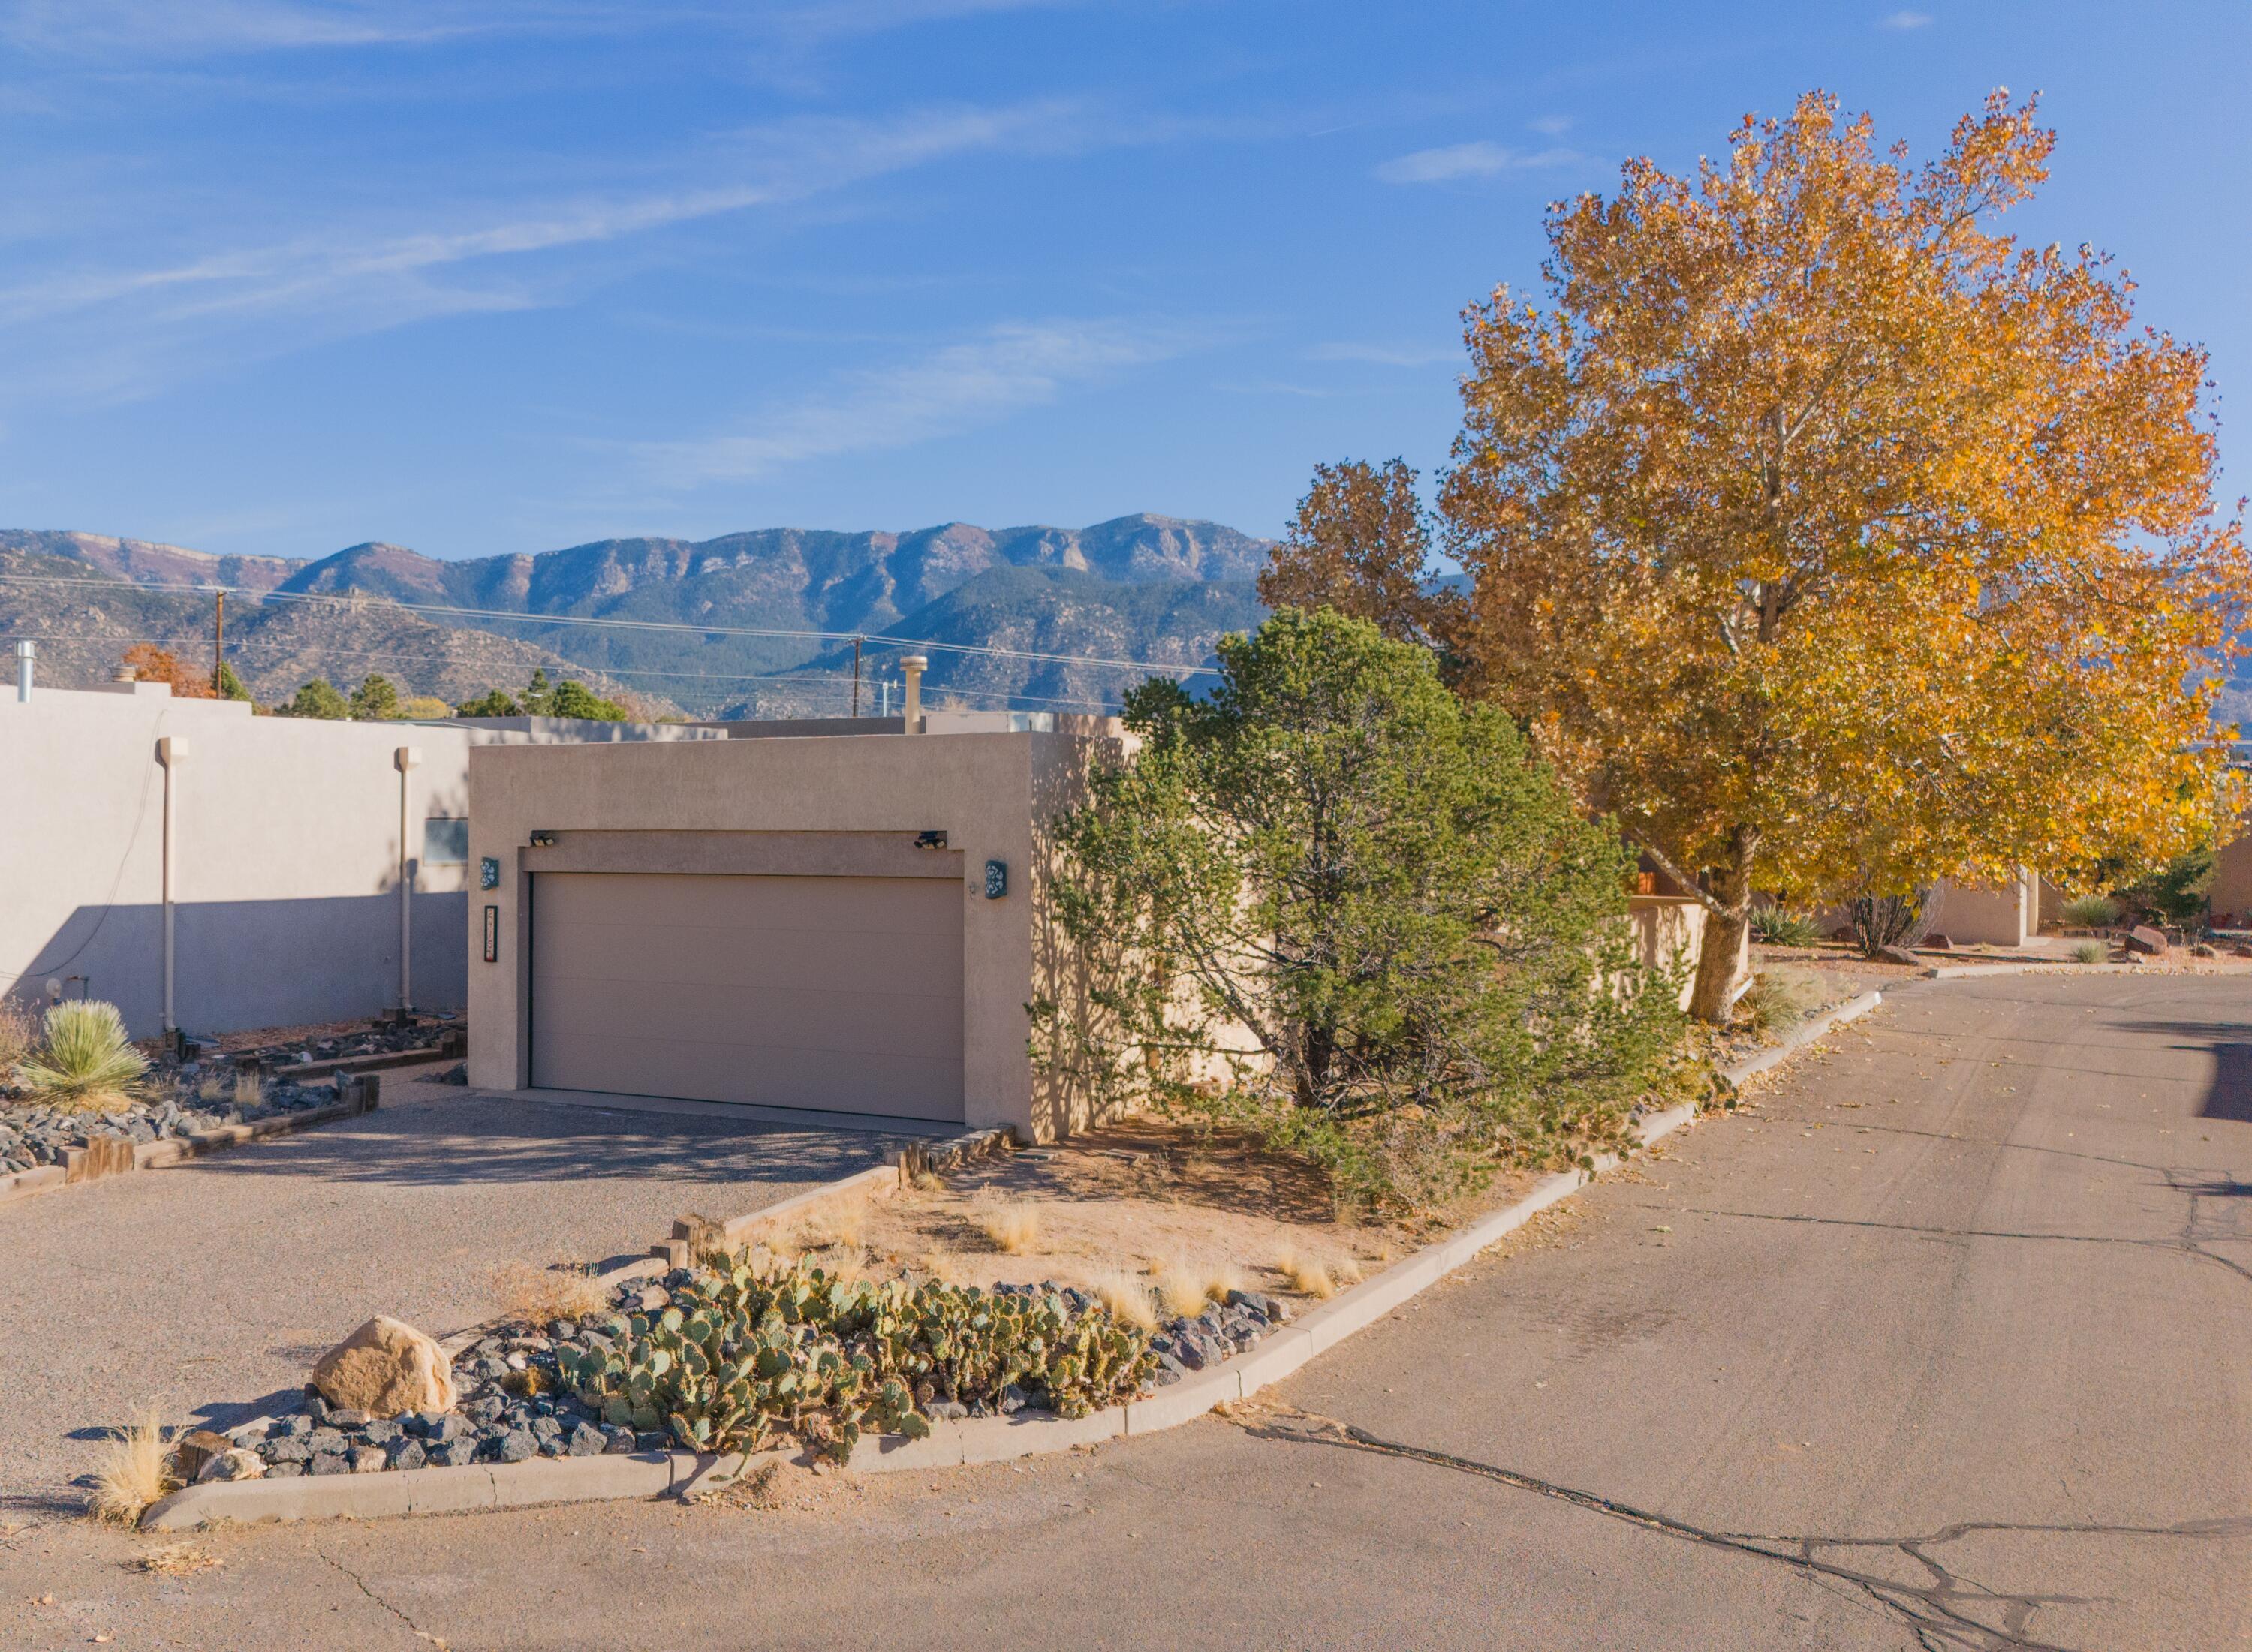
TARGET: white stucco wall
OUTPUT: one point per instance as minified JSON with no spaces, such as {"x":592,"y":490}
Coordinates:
{"x":286,"y":860}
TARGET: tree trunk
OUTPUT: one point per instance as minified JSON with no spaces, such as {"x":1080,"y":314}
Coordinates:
{"x":1723,"y":941}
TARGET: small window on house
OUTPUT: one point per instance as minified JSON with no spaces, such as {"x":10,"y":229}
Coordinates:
{"x":445,"y":842}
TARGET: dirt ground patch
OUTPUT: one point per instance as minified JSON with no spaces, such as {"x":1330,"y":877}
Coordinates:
{"x":1141,"y":1199}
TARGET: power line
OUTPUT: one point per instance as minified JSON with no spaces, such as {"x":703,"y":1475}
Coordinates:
{"x":360,"y":598}
{"x":740,"y":680}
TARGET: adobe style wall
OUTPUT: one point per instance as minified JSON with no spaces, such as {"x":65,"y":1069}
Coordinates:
{"x":286,"y":860}
{"x":808,"y":803}
{"x":2230,"y":895}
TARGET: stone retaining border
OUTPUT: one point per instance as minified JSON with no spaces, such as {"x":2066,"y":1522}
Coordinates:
{"x":951,"y":1443}
{"x":100,"y":1159}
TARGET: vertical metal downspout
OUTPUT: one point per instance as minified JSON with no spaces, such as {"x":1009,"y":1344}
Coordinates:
{"x":172,"y":750}
{"x":404,"y":760}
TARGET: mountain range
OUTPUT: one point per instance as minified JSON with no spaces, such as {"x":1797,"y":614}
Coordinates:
{"x":769,"y":607}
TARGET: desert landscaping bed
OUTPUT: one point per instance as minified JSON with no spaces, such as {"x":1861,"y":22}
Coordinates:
{"x":1185,"y":1270}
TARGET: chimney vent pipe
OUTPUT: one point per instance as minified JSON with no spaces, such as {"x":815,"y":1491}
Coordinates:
{"x":914,"y":665}
{"x":25,"y":649}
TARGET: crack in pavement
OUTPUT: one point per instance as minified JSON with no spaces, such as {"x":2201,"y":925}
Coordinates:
{"x":2190,"y":1242}
{"x":1989,"y":1141}
{"x":1938,"y":1608}
{"x":360,"y":1583}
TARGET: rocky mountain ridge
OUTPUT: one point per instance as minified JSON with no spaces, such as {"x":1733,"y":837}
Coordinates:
{"x":1140,"y":586}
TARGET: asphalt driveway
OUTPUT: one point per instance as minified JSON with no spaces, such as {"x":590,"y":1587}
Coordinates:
{"x":1944,"y":1344}
{"x":210,"y":1287}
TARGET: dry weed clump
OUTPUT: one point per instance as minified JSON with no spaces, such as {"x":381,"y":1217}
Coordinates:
{"x":1127,"y":1297}
{"x":538,"y":1295}
{"x":1011,"y":1225}
{"x":1184,"y":1285}
{"x":18,"y":1031}
{"x":132,"y":1472}
{"x":844,"y":1225}
{"x":1310,"y":1275}
{"x":179,"y":1560}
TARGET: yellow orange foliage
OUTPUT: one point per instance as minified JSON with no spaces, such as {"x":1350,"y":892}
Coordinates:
{"x":1835,"y":542}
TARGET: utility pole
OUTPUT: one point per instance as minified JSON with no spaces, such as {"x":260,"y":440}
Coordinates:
{"x":855,"y":677}
{"x":218,"y":644}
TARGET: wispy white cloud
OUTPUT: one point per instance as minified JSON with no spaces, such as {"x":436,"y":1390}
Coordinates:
{"x":1384,"y":355}
{"x":1467,"y":160}
{"x":148,"y":323}
{"x":957,"y":387}
{"x":1552,"y":125}
{"x":1908,"y":20}
{"x":189,"y":28}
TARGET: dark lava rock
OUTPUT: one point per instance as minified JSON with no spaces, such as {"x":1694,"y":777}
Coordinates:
{"x":406,"y":1452}
{"x":331,"y":1463}
{"x":516,"y":1444}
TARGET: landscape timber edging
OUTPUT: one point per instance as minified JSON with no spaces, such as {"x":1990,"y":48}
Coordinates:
{"x":878,"y":1181}
{"x":951,"y":1443}
{"x":178,"y":1149}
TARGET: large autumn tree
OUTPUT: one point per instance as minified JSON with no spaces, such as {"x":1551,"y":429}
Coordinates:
{"x":1833,"y":541}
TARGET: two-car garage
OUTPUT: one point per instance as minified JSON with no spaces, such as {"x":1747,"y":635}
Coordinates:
{"x":832,"y":993}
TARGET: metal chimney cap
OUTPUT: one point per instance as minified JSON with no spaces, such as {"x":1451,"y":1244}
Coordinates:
{"x":124,"y":674}
{"x":914,"y":663}
{"x":26,"y":648}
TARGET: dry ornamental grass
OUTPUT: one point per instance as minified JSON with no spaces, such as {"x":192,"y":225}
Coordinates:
{"x":131,"y":1474}
{"x":1011,"y":1225}
{"x":1127,"y":1297}
{"x":538,"y":1295}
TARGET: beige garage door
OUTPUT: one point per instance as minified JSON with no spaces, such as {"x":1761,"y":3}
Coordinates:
{"x":841,"y":994}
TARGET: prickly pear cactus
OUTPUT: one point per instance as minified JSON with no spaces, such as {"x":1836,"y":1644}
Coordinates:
{"x":744,"y":1351}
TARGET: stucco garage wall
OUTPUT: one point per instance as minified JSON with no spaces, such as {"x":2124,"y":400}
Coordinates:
{"x":286,"y":860}
{"x":785,"y":805}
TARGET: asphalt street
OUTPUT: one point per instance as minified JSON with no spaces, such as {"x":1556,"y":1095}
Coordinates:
{"x":1945,"y":1341}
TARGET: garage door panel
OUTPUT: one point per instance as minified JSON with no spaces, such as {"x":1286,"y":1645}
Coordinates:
{"x":841,"y":994}
{"x":774,"y":958}
{"x":900,"y":1086}
{"x":803,"y":1017}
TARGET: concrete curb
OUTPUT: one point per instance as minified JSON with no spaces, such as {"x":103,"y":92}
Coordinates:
{"x":1805,"y":1033}
{"x":2062,"y":967}
{"x":951,"y":1443}
{"x":86,"y":1164}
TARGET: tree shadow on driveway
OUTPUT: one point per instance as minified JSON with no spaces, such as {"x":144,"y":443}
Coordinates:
{"x":2228,"y":1093}
{"x":473,"y":1140}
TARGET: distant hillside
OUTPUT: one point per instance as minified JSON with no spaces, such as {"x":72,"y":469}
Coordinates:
{"x":776,"y":580}
{"x":1033,"y":611}
{"x":82,"y":631}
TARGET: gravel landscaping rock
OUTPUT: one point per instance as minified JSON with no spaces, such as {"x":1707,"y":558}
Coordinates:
{"x":513,"y":1407}
{"x":33,"y":1133}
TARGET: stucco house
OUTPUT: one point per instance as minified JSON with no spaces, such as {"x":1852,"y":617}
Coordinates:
{"x":821,"y":923}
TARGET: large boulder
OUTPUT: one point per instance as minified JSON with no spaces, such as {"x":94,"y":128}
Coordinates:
{"x":384,"y":1368}
{"x":2143,"y":938}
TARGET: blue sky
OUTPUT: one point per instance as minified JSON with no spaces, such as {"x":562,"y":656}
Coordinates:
{"x":280,"y":276}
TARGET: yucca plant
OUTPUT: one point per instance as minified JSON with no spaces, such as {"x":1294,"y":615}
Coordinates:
{"x":2091,"y":912}
{"x":85,"y":1061}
